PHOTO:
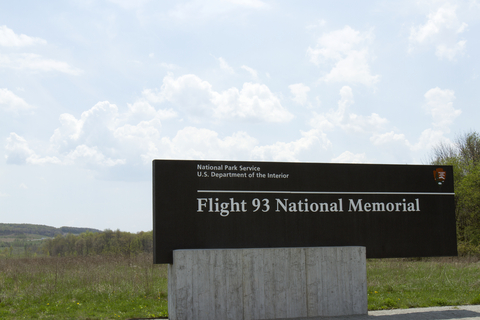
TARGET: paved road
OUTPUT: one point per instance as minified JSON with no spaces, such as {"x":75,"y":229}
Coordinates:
{"x":438,"y":313}
{"x":450,"y":313}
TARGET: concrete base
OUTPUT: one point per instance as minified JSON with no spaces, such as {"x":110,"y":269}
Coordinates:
{"x":271,"y":283}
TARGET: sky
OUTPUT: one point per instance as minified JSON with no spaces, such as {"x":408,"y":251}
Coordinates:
{"x":91,"y":91}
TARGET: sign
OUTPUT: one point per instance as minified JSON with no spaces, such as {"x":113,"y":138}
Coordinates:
{"x":392,"y":210}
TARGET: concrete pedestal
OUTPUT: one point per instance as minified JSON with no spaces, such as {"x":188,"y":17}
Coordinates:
{"x":271,"y":283}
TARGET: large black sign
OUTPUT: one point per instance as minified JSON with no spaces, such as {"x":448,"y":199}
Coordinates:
{"x":392,"y":210}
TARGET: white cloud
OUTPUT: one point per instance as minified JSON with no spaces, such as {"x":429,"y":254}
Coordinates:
{"x":224,"y":66}
{"x":8,"y":38}
{"x":321,"y":23}
{"x":168,"y":66}
{"x":18,"y":149}
{"x":36,"y":62}
{"x":153,"y":96}
{"x":90,"y":155}
{"x":252,"y":72}
{"x":204,"y":10}
{"x":344,"y":119}
{"x":348,"y":50}
{"x":439,"y":104}
{"x":103,"y":136}
{"x":31,"y":61}
{"x":129,"y":4}
{"x":441,"y":30}
{"x":290,"y":151}
{"x":196,"y":97}
{"x":449,"y":52}
{"x":428,"y":139}
{"x":12,"y":103}
{"x":349,"y":157}
{"x":201,"y":143}
{"x":254,"y":102}
{"x":189,"y":93}
{"x":393,"y":145}
{"x":388,"y":137}
{"x":256,"y":4}
{"x":299,"y":91}
{"x":19,"y":152}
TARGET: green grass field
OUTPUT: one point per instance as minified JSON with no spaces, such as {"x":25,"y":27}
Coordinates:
{"x":117,"y":287}
{"x":399,"y":283}
{"x":97,"y":287}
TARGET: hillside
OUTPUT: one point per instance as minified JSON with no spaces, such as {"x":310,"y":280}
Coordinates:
{"x":32,"y":231}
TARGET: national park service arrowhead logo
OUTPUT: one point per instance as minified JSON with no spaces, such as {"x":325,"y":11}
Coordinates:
{"x":439,"y":174}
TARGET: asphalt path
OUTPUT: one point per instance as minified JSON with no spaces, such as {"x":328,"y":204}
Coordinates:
{"x":450,"y":313}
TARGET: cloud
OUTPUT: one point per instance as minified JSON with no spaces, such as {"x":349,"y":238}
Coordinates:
{"x":8,"y":38}
{"x":344,"y":119}
{"x":201,"y":143}
{"x":449,"y":52}
{"x":254,"y":102}
{"x":348,"y":50}
{"x":224,"y":66}
{"x":12,"y":103}
{"x":256,"y":4}
{"x":388,"y":137}
{"x":441,"y":30}
{"x":428,"y":139}
{"x":36,"y":62}
{"x":18,"y":149}
{"x":31,"y":61}
{"x":196,"y":98}
{"x":252,"y":72}
{"x":129,"y":4}
{"x":114,"y":143}
{"x":168,"y":66}
{"x":291,"y":151}
{"x":19,"y":152}
{"x":105,"y":137}
{"x":90,"y":155}
{"x":349,"y":157}
{"x":439,"y":104}
{"x":105,"y":128}
{"x":299,"y":92}
{"x":204,"y":10}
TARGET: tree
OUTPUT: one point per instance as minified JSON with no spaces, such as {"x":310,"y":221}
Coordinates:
{"x":464,"y":156}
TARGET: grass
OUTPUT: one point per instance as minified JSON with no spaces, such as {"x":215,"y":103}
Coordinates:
{"x":118,"y":287}
{"x":97,"y":287}
{"x":400,"y":283}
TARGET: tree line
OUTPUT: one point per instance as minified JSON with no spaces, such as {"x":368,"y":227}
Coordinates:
{"x":16,"y":229}
{"x":106,"y":242}
{"x":464,"y":156}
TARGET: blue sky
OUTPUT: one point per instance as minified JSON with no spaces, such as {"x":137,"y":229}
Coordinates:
{"x":92,"y":91}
